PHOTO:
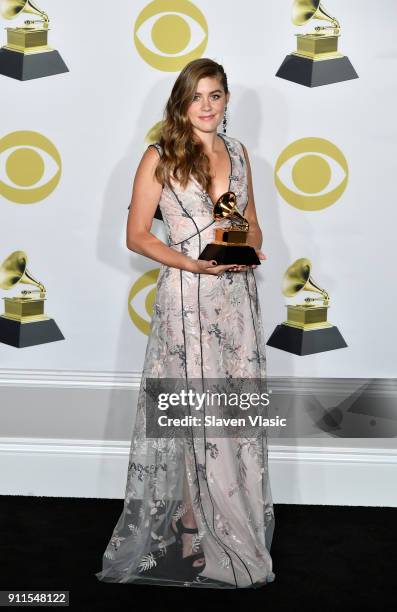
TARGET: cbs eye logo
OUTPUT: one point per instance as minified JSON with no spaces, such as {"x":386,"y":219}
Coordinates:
{"x":30,"y":167}
{"x":315,"y":176}
{"x":169,"y":34}
{"x":139,"y":300}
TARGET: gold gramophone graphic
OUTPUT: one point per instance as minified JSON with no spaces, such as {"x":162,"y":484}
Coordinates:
{"x":317,"y":60}
{"x":230,"y":244}
{"x":24,"y":322}
{"x":27,"y":54}
{"x":306,"y":330}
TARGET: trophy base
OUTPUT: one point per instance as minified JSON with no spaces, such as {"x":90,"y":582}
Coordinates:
{"x":27,"y":66}
{"x":32,"y":333}
{"x":306,"y":342}
{"x":314,"y":73}
{"x":243,"y":254}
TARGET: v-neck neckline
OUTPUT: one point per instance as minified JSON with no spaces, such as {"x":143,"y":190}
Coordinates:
{"x":230,"y":175}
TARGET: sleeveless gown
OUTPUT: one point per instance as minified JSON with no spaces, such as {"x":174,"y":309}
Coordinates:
{"x":203,"y":326}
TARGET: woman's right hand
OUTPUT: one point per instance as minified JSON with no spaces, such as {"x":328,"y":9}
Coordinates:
{"x":202,"y":266}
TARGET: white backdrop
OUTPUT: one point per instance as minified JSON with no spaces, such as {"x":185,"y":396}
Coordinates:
{"x":98,"y":114}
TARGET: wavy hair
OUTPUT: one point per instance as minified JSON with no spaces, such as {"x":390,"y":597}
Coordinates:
{"x":183,"y":154}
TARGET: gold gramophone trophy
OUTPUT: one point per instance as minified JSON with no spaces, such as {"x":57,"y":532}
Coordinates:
{"x":27,"y":54}
{"x":306,"y":330}
{"x":24,"y":323}
{"x":317,"y":60}
{"x":230,"y":244}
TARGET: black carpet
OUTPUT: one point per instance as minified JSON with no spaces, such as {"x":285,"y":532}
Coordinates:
{"x":324,"y":557}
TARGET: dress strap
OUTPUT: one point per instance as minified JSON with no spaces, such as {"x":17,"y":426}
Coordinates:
{"x":158,"y":147}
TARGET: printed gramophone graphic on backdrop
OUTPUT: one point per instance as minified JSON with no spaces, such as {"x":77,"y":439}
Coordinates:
{"x":306,"y":330}
{"x":230,"y":244}
{"x":24,"y":322}
{"x":27,"y":54}
{"x":316,"y":60}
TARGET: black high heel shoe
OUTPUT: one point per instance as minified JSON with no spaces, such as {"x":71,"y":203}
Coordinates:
{"x":185,"y":564}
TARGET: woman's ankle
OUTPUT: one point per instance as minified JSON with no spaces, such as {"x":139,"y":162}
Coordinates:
{"x":189,"y":523}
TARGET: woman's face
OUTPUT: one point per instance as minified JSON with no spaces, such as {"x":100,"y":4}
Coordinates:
{"x":208,"y":105}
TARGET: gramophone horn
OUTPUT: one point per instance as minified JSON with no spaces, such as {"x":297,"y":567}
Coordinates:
{"x":11,"y":8}
{"x":297,"y":277}
{"x":226,"y":206}
{"x":13,"y":270}
{"x":305,"y":10}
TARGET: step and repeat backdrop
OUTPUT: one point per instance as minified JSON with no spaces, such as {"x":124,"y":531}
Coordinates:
{"x":313,"y":94}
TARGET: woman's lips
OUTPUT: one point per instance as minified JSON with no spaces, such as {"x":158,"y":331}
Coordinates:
{"x":207,"y":117}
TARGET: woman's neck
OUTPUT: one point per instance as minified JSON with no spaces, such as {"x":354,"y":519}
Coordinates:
{"x":209,"y":140}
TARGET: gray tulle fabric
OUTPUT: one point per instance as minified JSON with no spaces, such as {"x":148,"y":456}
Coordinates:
{"x":203,"y":326}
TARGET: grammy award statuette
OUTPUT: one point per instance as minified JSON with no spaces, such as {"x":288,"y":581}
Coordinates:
{"x":27,"y":55}
{"x":230,"y":244}
{"x":316,"y":60}
{"x":24,"y":322}
{"x":306,"y":330}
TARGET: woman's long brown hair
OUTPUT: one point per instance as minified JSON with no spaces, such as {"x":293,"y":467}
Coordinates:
{"x":183,"y":154}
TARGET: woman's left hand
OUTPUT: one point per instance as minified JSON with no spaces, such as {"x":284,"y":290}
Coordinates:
{"x":242,"y":267}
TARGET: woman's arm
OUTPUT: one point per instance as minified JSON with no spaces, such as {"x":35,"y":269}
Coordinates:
{"x":255,"y":237}
{"x":146,"y":194}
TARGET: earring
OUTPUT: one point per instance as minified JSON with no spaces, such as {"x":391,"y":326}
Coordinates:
{"x":224,"y":122}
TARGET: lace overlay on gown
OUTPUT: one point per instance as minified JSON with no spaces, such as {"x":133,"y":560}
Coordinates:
{"x":202,"y":326}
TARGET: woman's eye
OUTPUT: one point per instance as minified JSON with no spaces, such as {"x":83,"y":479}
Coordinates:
{"x":214,"y":96}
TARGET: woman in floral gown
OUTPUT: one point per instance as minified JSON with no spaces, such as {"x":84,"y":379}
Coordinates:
{"x":198,"y":510}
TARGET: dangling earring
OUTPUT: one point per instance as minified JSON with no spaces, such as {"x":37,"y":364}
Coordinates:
{"x":224,"y":122}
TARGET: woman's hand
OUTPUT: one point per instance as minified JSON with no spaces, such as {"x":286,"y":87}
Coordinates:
{"x":202,"y":266}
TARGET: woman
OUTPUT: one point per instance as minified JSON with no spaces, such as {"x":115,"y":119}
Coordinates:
{"x":198,"y":511}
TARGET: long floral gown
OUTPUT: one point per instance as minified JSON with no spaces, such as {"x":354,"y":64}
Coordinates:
{"x":203,"y":326}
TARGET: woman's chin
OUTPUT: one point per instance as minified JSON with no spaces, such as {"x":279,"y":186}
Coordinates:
{"x":207,"y":127}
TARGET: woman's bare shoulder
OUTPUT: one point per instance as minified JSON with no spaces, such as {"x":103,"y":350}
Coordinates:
{"x":150,"y":157}
{"x":156,"y":146}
